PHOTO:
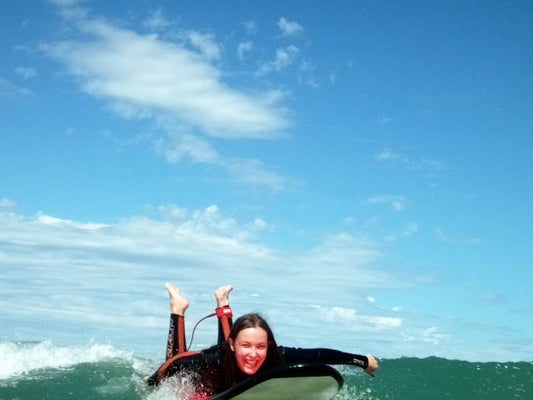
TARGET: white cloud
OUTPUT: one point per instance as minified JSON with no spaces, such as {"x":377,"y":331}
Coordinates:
{"x":206,"y":44}
{"x":147,"y":75}
{"x":341,"y":315}
{"x":179,"y":145}
{"x":174,"y":148}
{"x":254,"y":173}
{"x":386,"y":155}
{"x":410,"y":229}
{"x":397,"y":203}
{"x":72,"y":267}
{"x":175,"y":87}
{"x":283,"y":58}
{"x":289,"y":28}
{"x":7,"y":204}
{"x":54,"y":269}
{"x":432,"y":336}
{"x":250,"y":27}
{"x":345,"y":257}
{"x":260,"y":224}
{"x":8,"y":89}
{"x":488,"y":298}
{"x":244,"y":47}
{"x":157,"y":21}
{"x":306,"y":74}
{"x":26,"y":72}
{"x":409,"y":163}
{"x":445,"y":238}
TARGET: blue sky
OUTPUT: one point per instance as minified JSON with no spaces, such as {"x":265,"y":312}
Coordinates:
{"x":359,"y":171}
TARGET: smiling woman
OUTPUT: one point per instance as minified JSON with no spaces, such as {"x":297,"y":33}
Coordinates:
{"x":244,"y":350}
{"x":250,"y":345}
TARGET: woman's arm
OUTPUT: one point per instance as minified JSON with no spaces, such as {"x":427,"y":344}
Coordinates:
{"x":293,"y":355}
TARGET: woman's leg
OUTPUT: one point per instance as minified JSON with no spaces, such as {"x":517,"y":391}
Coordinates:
{"x":224,"y":313}
{"x":176,"y":331}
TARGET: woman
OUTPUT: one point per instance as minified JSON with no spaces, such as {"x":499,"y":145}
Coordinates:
{"x":247,"y":348}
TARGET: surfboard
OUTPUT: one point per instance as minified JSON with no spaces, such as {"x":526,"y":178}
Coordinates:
{"x":309,"y":381}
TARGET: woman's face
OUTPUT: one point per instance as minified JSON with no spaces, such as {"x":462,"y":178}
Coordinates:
{"x":250,"y":349}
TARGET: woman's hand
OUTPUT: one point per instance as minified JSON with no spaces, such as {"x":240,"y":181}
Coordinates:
{"x":372,"y":365}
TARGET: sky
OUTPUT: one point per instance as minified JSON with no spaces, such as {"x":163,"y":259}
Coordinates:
{"x":360,"y":172}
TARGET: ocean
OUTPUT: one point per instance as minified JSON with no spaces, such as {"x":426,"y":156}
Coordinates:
{"x":44,"y":370}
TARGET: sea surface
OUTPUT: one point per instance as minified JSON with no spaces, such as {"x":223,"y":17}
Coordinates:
{"x":44,"y":370}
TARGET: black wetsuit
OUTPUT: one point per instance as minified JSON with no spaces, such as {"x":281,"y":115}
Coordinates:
{"x":208,"y":369}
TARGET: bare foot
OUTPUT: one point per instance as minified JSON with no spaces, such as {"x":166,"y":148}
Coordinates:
{"x":222,"y":294}
{"x":178,"y":303}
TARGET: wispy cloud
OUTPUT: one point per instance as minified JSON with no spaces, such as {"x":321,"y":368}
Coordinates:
{"x":282,"y":59}
{"x":206,"y":44}
{"x":65,"y":268}
{"x":487,"y":298}
{"x":250,"y":27}
{"x":26,"y":72}
{"x":243,"y":48}
{"x":410,"y":229}
{"x":446,"y":238}
{"x":145,"y":77}
{"x":253,"y":172}
{"x":345,"y":255}
{"x":178,"y":145}
{"x":366,"y":322}
{"x":397,"y":203}
{"x":157,"y":21}
{"x":174,"y":148}
{"x":289,"y":28}
{"x":10,"y":90}
{"x":147,"y":74}
{"x":73,"y":267}
{"x":432,"y":335}
{"x":306,"y":74}
{"x":6,"y":204}
{"x":386,"y":155}
{"x":186,"y":237}
{"x":407,"y":162}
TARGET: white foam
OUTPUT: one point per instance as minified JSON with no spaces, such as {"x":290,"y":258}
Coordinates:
{"x":21,"y":358}
{"x":177,"y":387}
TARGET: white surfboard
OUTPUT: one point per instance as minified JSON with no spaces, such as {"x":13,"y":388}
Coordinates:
{"x":312,"y":381}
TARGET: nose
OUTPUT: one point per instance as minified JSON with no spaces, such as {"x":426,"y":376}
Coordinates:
{"x":253,"y":352}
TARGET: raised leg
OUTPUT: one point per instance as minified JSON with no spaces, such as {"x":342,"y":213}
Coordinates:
{"x":224,"y":313}
{"x":176,"y":333}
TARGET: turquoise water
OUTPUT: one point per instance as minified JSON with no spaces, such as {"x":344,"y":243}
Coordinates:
{"x":47,"y":371}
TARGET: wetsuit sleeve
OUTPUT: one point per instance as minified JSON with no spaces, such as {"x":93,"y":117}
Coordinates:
{"x":225,"y":322}
{"x":292,"y":355}
{"x":176,"y":336}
